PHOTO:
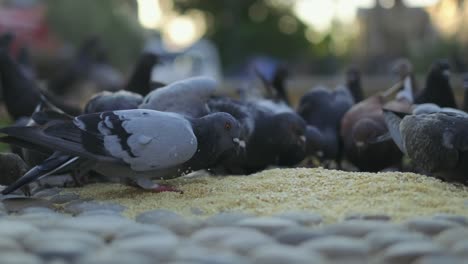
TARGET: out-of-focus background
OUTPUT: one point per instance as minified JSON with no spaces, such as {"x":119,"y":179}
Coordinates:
{"x":317,"y":40}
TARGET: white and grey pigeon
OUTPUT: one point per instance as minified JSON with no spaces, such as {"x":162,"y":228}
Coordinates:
{"x":137,"y":145}
{"x":187,"y":97}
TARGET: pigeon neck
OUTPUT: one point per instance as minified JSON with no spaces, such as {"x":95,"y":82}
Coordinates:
{"x":140,"y":80}
{"x":355,"y":88}
{"x":439,"y":91}
{"x":207,"y":153}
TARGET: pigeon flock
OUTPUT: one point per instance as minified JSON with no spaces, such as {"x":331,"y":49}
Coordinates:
{"x":143,"y":130}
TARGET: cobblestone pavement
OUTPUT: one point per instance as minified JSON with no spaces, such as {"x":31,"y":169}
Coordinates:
{"x":85,"y":231}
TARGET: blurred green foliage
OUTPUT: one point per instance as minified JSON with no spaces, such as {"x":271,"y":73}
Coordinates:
{"x":242,"y":29}
{"x":113,"y":20}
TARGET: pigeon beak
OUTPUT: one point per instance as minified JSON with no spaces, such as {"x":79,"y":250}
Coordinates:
{"x":240,"y":143}
{"x":446,"y":73}
{"x":303,"y":138}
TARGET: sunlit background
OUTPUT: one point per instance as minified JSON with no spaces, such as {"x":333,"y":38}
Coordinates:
{"x":225,"y":36}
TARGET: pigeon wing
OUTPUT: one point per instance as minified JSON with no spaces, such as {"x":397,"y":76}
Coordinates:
{"x":187,"y":97}
{"x":144,"y":139}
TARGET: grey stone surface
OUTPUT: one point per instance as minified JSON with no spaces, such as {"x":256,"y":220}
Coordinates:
{"x":19,"y":258}
{"x":298,"y":234}
{"x":104,"y":226}
{"x":373,"y":217}
{"x":197,"y":254}
{"x":241,"y":240}
{"x":80,"y":206}
{"x":409,"y":251}
{"x":339,"y":248}
{"x":8,"y":244}
{"x":170,"y":220}
{"x":47,"y":192}
{"x":268,"y":225}
{"x":64,"y":198}
{"x":382,"y":239}
{"x":460,"y":219}
{"x":301,"y":218}
{"x":62,"y":243}
{"x":160,"y":247}
{"x":461,"y":248}
{"x":16,"y":229}
{"x":138,"y":229}
{"x":429,"y":226}
{"x":225,"y":219}
{"x":359,"y":228}
{"x":280,"y":254}
{"x":440,"y":259}
{"x":451,"y":236}
{"x":109,"y":256}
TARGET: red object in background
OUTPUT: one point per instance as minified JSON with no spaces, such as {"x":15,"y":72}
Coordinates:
{"x":29,"y":26}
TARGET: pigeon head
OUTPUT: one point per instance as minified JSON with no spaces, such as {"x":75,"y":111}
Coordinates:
{"x":353,"y":75}
{"x":440,"y":69}
{"x":226,"y":131}
{"x":366,"y":131}
{"x":290,"y":134}
{"x":314,"y":141}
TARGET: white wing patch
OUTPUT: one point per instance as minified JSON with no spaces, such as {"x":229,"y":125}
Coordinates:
{"x":158,"y":140}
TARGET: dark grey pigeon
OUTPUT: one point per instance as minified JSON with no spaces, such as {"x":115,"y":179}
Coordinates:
{"x":437,"y":143}
{"x":140,"y":79}
{"x":112,"y":101}
{"x":12,"y":167}
{"x":187,"y":97}
{"x":271,"y":138}
{"x":465,"y":93}
{"x":324,"y":109}
{"x":438,"y":89}
{"x":137,"y":145}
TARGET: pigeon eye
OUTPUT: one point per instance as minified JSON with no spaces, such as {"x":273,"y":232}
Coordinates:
{"x":227,"y":126}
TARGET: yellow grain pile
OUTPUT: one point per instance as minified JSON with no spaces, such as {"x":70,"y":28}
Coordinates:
{"x":333,"y":194}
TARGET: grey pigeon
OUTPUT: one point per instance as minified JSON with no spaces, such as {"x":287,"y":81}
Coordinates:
{"x":324,"y":109}
{"x":137,"y":145}
{"x":112,"y":101}
{"x":187,"y":97}
{"x":437,"y":143}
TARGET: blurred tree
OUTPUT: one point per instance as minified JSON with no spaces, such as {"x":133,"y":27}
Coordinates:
{"x":114,"y":21}
{"x":243,"y":29}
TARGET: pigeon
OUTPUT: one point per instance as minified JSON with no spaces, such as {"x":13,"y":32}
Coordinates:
{"x":22,"y":94}
{"x":12,"y":167}
{"x":353,"y":84}
{"x":137,"y":145}
{"x":363,"y":126}
{"x":437,"y":143}
{"x":19,"y":93}
{"x":271,"y":138}
{"x":78,"y":68}
{"x":187,"y":97}
{"x":438,"y":89}
{"x":6,"y":39}
{"x":324,"y":109}
{"x":140,"y":80}
{"x":465,"y":93}
{"x":111,"y":101}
